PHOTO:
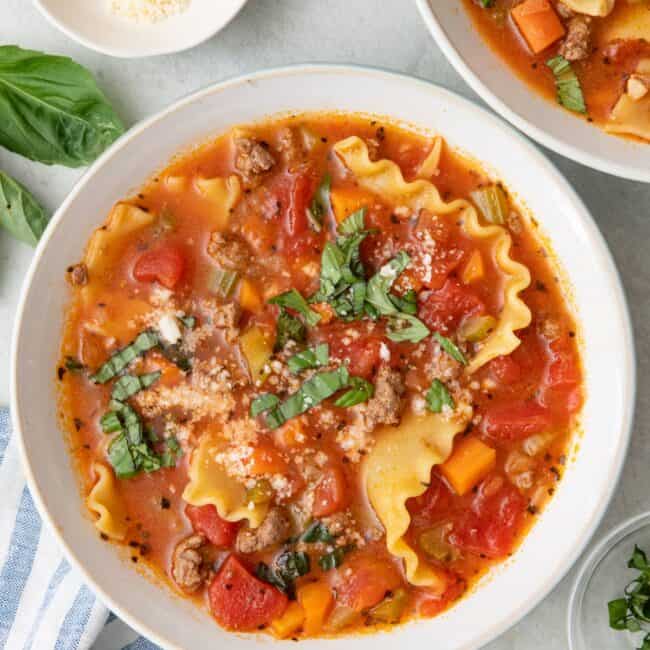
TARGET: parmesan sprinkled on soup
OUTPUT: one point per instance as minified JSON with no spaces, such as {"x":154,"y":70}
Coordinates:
{"x":319,"y":375}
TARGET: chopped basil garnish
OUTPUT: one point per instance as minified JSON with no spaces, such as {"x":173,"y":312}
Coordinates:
{"x":567,"y":84}
{"x":407,"y":328}
{"x":632,"y":612}
{"x":450,"y":348}
{"x":317,"y":532}
{"x":407,"y":304}
{"x":438,"y":396}
{"x":120,"y":360}
{"x":128,"y":385}
{"x":320,"y":204}
{"x":353,"y":224}
{"x":311,"y":358}
{"x":223,"y":283}
{"x":288,"y":328}
{"x":486,"y":3}
{"x":380,"y":283}
{"x":110,"y":422}
{"x":130,"y":420}
{"x":315,"y":390}
{"x":360,"y":391}
{"x":343,"y":277}
{"x":121,"y":458}
{"x":335,"y":558}
{"x":284,"y":570}
{"x":263,"y":403}
{"x":293,"y":300}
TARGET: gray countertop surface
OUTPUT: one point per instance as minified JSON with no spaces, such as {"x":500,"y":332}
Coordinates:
{"x":385,"y":33}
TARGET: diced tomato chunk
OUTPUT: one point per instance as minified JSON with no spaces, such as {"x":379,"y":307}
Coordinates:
{"x":299,"y":238}
{"x":505,"y":370}
{"x":206,"y":521}
{"x":239,"y":601}
{"x":428,"y":507}
{"x":331,"y":494}
{"x":442,"y":310}
{"x":363,"y":353}
{"x":563,"y":369}
{"x":165,"y":264}
{"x":515,"y":420}
{"x":560,"y":388}
{"x":363,"y":580}
{"x":490,"y":527}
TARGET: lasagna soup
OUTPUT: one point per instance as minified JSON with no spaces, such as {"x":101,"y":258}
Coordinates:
{"x":592,"y":55}
{"x":319,"y":375}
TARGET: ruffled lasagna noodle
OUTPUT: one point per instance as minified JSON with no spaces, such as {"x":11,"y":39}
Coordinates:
{"x":385,"y":178}
{"x":210,"y":485}
{"x":106,"y":503}
{"x":632,"y":116}
{"x":398,"y":468}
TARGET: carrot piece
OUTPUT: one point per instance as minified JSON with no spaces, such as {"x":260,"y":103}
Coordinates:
{"x":474,"y":269}
{"x":249,"y":297}
{"x":265,"y":459}
{"x":470,"y":461}
{"x":346,"y":200}
{"x":538,"y":23}
{"x":290,"y":622}
{"x":317,"y":601}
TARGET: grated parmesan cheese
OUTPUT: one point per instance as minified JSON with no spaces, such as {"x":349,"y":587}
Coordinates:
{"x":151,"y":11}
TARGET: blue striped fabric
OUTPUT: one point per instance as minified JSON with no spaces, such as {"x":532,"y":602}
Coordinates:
{"x":44,"y":604}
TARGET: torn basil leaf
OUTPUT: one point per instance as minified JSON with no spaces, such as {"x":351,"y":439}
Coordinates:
{"x":450,"y":348}
{"x":405,"y":327}
{"x":438,"y":397}
{"x":380,"y":283}
{"x":360,"y":391}
{"x":263,"y":403}
{"x":315,"y":357}
{"x":293,"y":300}
{"x":354,"y":224}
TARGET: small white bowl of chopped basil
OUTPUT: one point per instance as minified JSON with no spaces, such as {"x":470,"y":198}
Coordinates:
{"x":139,"y":28}
{"x":610,"y":602}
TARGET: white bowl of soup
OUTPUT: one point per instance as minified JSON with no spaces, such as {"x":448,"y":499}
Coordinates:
{"x":572,"y":75}
{"x":313,"y":352}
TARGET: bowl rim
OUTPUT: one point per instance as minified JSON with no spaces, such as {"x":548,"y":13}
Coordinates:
{"x":535,"y":155}
{"x":125,"y":52}
{"x":579,"y":155}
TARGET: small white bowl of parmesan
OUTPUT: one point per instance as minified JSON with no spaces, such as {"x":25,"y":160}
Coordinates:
{"x":139,"y":28}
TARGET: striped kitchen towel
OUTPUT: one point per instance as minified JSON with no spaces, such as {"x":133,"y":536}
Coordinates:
{"x":44,"y":604}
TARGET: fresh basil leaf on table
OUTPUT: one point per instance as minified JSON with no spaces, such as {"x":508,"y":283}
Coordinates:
{"x":51,"y":109}
{"x":20,"y":212}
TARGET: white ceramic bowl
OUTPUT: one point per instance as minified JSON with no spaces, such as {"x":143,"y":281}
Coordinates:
{"x":565,"y":527}
{"x":514,"y":100}
{"x":93,"y":24}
